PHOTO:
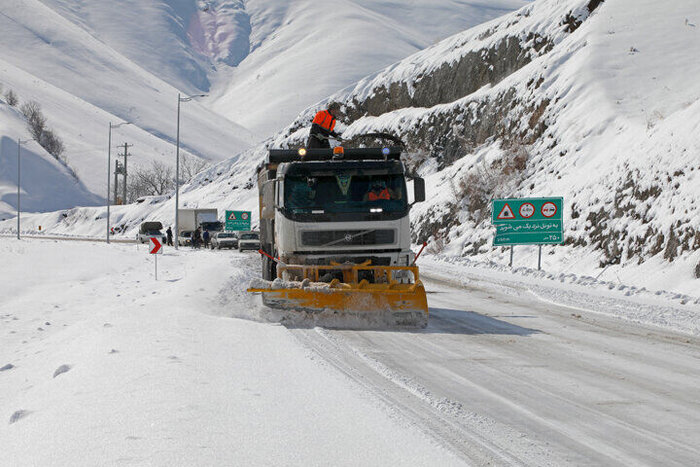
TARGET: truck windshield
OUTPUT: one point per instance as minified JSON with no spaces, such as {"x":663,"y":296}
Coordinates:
{"x":214,"y":226}
{"x":345,"y":193}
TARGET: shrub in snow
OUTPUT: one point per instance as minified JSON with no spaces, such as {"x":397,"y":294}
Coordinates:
{"x":489,"y":180}
{"x":35,"y":119}
{"x":157,"y":179}
{"x":36,"y":122}
{"x":11,"y":98}
{"x":52,"y":143}
{"x":191,"y":166}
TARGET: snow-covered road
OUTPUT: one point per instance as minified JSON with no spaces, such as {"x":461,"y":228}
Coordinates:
{"x":505,"y":378}
{"x":102,"y":365}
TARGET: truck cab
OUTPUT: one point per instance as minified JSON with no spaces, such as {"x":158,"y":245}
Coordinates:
{"x":321,"y":207}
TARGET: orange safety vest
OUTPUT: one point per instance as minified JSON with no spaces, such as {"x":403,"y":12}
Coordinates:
{"x":325,"y":120}
{"x":384,"y":194}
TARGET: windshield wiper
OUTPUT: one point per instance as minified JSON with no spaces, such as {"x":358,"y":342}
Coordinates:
{"x":345,"y":238}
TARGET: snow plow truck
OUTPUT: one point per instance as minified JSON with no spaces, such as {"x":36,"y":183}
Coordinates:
{"x":335,"y":235}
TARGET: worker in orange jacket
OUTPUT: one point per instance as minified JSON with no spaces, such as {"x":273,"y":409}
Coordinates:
{"x":322,"y":127}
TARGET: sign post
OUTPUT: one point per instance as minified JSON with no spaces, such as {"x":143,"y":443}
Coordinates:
{"x":156,"y":248}
{"x":238,"y":220}
{"x":528,"y":221}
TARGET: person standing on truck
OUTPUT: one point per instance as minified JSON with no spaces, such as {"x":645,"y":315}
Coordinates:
{"x":169,"y":234}
{"x":322,"y":127}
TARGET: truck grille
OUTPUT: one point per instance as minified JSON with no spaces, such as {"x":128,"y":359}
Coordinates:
{"x":347,"y":237}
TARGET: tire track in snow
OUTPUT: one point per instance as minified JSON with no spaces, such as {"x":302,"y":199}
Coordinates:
{"x":473,"y":437}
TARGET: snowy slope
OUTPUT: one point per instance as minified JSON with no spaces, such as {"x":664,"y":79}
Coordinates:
{"x":301,"y":51}
{"x":82,"y":84}
{"x":91,"y":62}
{"x":603,"y":104}
{"x":40,"y":172}
{"x":255,"y":57}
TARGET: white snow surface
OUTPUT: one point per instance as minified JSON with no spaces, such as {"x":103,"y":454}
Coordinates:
{"x":40,"y":172}
{"x":606,"y":100}
{"x":668,"y":310}
{"x":622,"y":132}
{"x":103,"y":365}
{"x":88,"y":63}
{"x":82,"y":84}
{"x":302,"y":51}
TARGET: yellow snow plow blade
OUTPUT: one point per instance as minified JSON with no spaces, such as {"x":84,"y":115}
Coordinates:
{"x":396,"y":296}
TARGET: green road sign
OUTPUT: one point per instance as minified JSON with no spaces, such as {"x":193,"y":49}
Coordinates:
{"x":528,"y":239}
{"x":237,"y":220}
{"x":528,"y":221}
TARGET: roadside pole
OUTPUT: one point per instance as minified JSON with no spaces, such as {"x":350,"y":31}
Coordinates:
{"x":511,"y":256}
{"x":109,"y":161}
{"x":539,"y":259}
{"x":19,"y":149}
{"x":19,"y":146}
{"x":156,"y":248}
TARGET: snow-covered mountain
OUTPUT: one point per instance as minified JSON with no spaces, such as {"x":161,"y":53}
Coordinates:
{"x":595,"y":101}
{"x":81,"y":84}
{"x":300,"y":51}
{"x":91,"y":62}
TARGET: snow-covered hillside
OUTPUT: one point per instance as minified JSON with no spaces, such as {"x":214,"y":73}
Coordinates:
{"x":40,"y":172}
{"x":82,"y":84}
{"x":91,"y":62}
{"x":301,"y":51}
{"x":594,"y":101}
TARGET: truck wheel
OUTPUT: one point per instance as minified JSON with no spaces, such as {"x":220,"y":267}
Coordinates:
{"x":265,"y":269}
{"x":269,"y":269}
{"x":273,"y":270}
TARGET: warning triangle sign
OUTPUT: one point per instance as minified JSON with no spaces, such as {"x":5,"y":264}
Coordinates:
{"x":232,"y":217}
{"x":506,"y":213}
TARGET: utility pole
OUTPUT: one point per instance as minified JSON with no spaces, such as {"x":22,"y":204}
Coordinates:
{"x":117,"y":171}
{"x":19,"y":146}
{"x":177,"y":165}
{"x":124,"y":173}
{"x":109,"y":163}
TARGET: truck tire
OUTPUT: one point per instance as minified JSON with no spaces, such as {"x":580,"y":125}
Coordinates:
{"x":269,"y":269}
{"x":265,"y":268}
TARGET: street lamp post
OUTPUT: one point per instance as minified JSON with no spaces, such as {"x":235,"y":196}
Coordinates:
{"x":109,"y":154}
{"x":177,"y":166}
{"x":19,"y":146}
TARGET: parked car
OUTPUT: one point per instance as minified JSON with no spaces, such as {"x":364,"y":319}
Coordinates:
{"x":221,"y":240}
{"x":249,"y":241}
{"x":185,"y":238}
{"x":150,"y":229}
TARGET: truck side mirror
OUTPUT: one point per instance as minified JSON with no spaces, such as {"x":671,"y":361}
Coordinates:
{"x":418,"y":190}
{"x":268,"y":201}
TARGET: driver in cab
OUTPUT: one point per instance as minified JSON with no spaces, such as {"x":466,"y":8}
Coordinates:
{"x":379,"y":191}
